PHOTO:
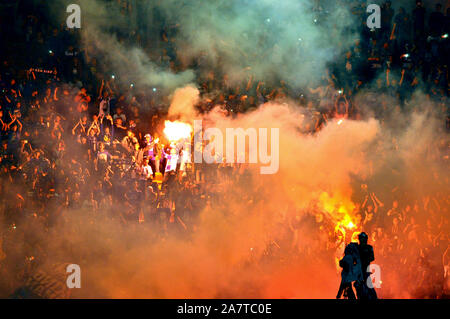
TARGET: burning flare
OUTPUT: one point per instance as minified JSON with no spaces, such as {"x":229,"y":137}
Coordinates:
{"x":339,"y":210}
{"x":176,"y":131}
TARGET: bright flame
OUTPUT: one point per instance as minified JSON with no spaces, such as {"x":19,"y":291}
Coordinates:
{"x":176,"y":131}
{"x":347,"y":222}
{"x":340,"y":122}
{"x":339,"y":210}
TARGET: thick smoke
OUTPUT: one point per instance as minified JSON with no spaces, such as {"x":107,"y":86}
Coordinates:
{"x":271,"y":41}
{"x":129,"y":62}
{"x":183,"y":103}
{"x":226,"y":255}
{"x":223,"y":257}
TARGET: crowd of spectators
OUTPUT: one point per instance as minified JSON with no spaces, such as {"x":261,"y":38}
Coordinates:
{"x":72,"y":138}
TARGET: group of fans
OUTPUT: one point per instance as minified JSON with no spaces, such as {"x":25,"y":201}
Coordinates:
{"x":73,"y":139}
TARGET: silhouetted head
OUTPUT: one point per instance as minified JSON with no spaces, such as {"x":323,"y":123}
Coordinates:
{"x":363,"y":238}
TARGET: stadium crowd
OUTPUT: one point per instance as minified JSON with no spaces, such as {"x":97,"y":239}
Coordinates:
{"x":72,"y":138}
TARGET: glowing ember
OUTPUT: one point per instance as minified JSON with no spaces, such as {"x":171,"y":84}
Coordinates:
{"x":340,"y":122}
{"x":176,"y":131}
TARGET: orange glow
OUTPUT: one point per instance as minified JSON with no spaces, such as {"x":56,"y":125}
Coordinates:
{"x":176,"y":131}
{"x":340,"y":210}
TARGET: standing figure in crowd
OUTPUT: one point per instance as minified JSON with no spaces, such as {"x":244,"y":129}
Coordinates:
{"x":351,"y":271}
{"x":367,"y":256}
